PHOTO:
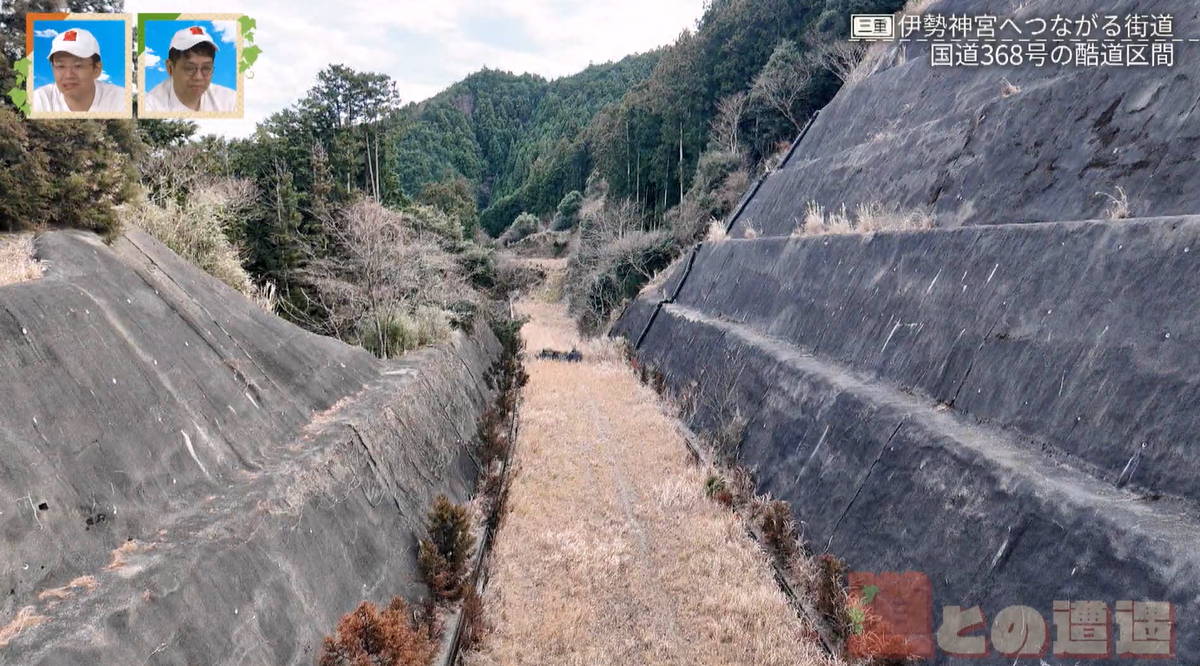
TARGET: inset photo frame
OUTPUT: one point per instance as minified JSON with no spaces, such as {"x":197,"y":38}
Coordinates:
{"x":80,"y":65}
{"x":190,"y":66}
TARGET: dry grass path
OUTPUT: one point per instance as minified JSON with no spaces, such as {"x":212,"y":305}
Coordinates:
{"x":610,"y":552}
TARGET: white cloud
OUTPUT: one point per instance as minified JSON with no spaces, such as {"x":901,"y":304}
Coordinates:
{"x":227,"y":31}
{"x":48,"y":32}
{"x":150,"y":58}
{"x":425,"y":45}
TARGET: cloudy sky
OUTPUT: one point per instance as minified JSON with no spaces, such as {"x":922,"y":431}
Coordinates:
{"x":425,"y":45}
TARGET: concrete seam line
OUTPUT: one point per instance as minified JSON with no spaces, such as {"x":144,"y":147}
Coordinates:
{"x":861,"y":484}
{"x":799,"y":137}
{"x":650,"y":322}
{"x":687,"y":270}
{"x":762,"y":179}
{"x":195,"y":325}
{"x":479,"y":576}
{"x":745,"y":202}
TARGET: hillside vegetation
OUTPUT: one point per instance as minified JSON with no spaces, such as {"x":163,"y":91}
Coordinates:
{"x":636,"y":157}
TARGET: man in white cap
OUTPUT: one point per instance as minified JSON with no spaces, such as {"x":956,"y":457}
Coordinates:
{"x":189,"y":85}
{"x":75,"y":61}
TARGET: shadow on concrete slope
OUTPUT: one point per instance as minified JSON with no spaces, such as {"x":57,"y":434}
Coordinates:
{"x":189,"y":479}
{"x":991,"y":145}
{"x":1008,"y":408}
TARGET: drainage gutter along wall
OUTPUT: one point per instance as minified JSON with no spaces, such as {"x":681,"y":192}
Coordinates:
{"x":241,"y":486}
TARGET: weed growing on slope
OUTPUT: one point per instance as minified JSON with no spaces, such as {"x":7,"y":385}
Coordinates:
{"x":857,"y":614}
{"x":442,"y":556}
{"x":778,"y":529}
{"x":16,"y":259}
{"x":835,"y":616}
{"x":506,"y":376}
{"x":391,"y":334}
{"x":866,"y":218}
{"x":472,"y":623}
{"x":495,"y":445}
{"x":393,"y":636}
{"x":1118,"y":204}
{"x":493,"y":435}
{"x":872,"y":637}
{"x":830,"y":591}
{"x":713,"y":484}
{"x":726,"y":437}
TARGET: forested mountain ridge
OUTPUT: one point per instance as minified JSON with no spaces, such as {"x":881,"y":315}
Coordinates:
{"x":667,"y":140}
{"x":641,"y":123}
{"x":513,"y":137}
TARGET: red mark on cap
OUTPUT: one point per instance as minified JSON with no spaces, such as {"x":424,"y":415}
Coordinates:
{"x":69,"y":36}
{"x":196,"y":30}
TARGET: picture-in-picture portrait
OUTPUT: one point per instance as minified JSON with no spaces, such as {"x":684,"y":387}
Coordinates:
{"x":80,"y":66}
{"x":190,"y":67}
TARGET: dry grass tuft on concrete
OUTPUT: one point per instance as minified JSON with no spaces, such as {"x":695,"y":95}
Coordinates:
{"x":610,"y":551}
{"x":716,"y":232}
{"x":866,"y":218}
{"x":1118,"y":204}
{"x":16,"y":259}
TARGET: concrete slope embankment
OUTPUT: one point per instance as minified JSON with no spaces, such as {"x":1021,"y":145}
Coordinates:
{"x":1002,"y":144}
{"x":193,"y":480}
{"x":1007,"y":402}
{"x":1073,"y":335}
{"x":971,"y":403}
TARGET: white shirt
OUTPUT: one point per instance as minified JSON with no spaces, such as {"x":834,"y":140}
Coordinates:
{"x":108,"y":98}
{"x":216,"y":98}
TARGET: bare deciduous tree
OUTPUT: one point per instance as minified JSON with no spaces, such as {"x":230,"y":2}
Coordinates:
{"x":382,"y":264}
{"x":613,"y":244}
{"x":729,"y":117}
{"x":783,"y":81}
{"x":841,"y":57}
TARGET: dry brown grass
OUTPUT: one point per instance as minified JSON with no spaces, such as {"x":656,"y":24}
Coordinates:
{"x":610,"y":552}
{"x":26,"y":617}
{"x":866,"y":218}
{"x":1118,"y":204}
{"x":66,"y":591}
{"x":549,"y":325}
{"x":716,"y":232}
{"x":370,"y":635}
{"x":16,"y":259}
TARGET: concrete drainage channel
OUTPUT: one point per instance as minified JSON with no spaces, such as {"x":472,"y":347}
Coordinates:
{"x":451,"y":647}
{"x":508,"y":400}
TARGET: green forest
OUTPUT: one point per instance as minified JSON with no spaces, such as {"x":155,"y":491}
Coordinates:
{"x":634,"y":157}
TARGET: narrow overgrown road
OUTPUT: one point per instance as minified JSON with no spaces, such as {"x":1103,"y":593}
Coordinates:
{"x":610,"y":552}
